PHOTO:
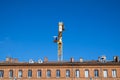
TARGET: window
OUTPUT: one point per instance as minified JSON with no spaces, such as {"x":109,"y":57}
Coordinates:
{"x":19,"y":73}
{"x":96,"y":73}
{"x":77,"y":73}
{"x":86,"y":73}
{"x":48,"y":73}
{"x":39,"y":73}
{"x":11,"y":73}
{"x":1,"y":73}
{"x":57,"y":73}
{"x":105,"y":73}
{"x":29,"y":73}
{"x":67,"y":73}
{"x":114,"y":73}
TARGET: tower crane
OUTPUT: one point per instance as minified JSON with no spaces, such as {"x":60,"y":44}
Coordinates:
{"x":58,"y":40}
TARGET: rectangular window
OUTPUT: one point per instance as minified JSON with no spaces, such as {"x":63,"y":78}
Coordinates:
{"x":1,"y":73}
{"x":113,"y":73}
{"x":48,"y":73}
{"x":105,"y":74}
{"x":67,"y":73}
{"x":57,"y":73}
{"x":11,"y":73}
{"x":19,"y":73}
{"x":29,"y":73}
{"x":39,"y":73}
{"x":86,"y":73}
{"x":77,"y":73}
{"x":96,"y":73}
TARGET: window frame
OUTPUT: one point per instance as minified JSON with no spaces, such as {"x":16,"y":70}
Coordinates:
{"x":1,"y":73}
{"x":96,"y":73}
{"x":105,"y":73}
{"x":114,"y":73}
{"x":77,"y":73}
{"x":20,"y":74}
{"x":29,"y":73}
{"x":67,"y":73}
{"x":86,"y":73}
{"x":39,"y":73}
{"x":10,"y":73}
{"x":58,"y":73}
{"x":48,"y":74}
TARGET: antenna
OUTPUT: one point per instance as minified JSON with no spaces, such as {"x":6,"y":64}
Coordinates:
{"x":58,"y":40}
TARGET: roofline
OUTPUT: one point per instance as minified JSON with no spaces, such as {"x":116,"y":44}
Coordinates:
{"x":63,"y":64}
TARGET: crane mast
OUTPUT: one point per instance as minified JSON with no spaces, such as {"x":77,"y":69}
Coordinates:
{"x":58,"y":40}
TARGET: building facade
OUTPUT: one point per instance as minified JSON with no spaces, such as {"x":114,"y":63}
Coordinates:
{"x":71,"y":70}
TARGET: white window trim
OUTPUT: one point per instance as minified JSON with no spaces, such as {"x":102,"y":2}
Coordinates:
{"x":38,"y":75}
{"x":97,"y":73}
{"x":67,"y":73}
{"x":105,"y":73}
{"x":86,"y":73}
{"x":10,"y":73}
{"x":114,"y":73}
{"x":77,"y":73}
{"x":47,"y":74}
{"x":28,"y":74}
{"x":57,"y":75}
{"x":20,"y":73}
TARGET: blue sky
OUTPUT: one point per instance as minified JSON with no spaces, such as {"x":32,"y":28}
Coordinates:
{"x":27,"y":27}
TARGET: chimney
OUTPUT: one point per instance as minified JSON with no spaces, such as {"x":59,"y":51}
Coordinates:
{"x":116,"y":59}
{"x":81,"y":59}
{"x":71,"y":59}
{"x":8,"y":59}
{"x":15,"y":60}
{"x":45,"y":60}
{"x":11,"y":60}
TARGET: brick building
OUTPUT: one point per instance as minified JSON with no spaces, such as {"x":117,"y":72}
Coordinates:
{"x":99,"y":69}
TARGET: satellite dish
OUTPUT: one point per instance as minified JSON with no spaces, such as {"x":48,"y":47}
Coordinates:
{"x":40,"y":61}
{"x":31,"y":61}
{"x":103,"y":58}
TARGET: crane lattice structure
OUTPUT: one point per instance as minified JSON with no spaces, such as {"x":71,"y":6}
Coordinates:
{"x":58,"y":40}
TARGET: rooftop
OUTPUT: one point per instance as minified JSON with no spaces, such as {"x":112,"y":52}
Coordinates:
{"x":101,"y":62}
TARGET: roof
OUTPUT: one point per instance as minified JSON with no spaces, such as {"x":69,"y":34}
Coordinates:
{"x":84,"y":63}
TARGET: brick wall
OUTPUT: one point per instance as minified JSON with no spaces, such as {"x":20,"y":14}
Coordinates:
{"x":62,"y":72}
